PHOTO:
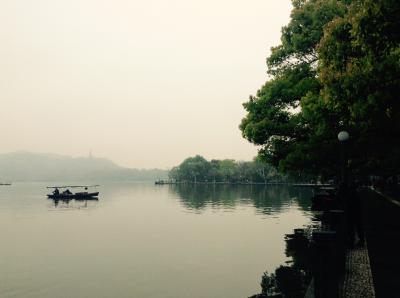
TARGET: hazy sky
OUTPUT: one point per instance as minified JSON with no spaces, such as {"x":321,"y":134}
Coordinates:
{"x":144,"y":83}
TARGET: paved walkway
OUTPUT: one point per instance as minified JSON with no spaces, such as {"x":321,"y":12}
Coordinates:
{"x":358,"y":278}
{"x":374,"y":271}
{"x":382,"y":227}
{"x":357,"y":281}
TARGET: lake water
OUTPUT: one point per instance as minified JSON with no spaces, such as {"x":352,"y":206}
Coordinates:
{"x":141,"y":240}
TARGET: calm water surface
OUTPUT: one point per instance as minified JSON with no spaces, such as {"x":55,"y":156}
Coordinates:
{"x":141,"y":240}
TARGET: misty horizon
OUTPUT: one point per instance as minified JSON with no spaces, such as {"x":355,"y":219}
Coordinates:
{"x":146,"y":84}
{"x":33,"y":167}
{"x":93,"y":156}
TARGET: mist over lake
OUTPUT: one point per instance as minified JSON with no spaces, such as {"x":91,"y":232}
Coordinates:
{"x":142,"y":240}
{"x":28,"y":167}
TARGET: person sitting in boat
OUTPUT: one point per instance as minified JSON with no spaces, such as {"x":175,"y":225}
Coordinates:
{"x":56,"y":192}
{"x":67,"y":192}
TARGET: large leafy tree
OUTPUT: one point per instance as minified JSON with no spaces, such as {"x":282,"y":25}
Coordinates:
{"x":275,"y":118}
{"x":192,"y":169}
{"x":336,"y":68}
{"x":360,"y":73}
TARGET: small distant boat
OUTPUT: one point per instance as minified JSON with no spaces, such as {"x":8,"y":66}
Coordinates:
{"x":68,"y":195}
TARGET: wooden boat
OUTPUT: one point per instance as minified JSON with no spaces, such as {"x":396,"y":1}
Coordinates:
{"x":68,"y":195}
{"x":85,"y":195}
{"x":78,"y":195}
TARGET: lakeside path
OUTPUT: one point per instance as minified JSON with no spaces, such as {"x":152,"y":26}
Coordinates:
{"x":382,"y":228}
{"x":358,"y":280}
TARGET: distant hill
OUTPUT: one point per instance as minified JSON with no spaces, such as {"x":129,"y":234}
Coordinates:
{"x":26,"y":166}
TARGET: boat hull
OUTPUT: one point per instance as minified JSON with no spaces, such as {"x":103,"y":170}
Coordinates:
{"x":76,"y":196}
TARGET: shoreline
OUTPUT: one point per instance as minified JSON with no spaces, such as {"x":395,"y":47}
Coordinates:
{"x":312,"y":185}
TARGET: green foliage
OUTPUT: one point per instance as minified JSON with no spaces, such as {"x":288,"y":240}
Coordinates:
{"x":338,"y":67}
{"x":192,"y":169}
{"x":198,"y":169}
{"x":287,"y":280}
{"x":275,"y":116}
{"x":268,"y":283}
{"x":360,"y":71}
{"x":290,"y":282}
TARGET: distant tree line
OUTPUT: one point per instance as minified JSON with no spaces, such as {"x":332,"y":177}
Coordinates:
{"x":199,"y":170}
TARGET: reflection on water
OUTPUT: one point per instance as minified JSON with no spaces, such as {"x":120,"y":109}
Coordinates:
{"x":73,"y":203}
{"x":266,"y":199}
{"x":292,"y":279}
{"x":141,"y":240}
